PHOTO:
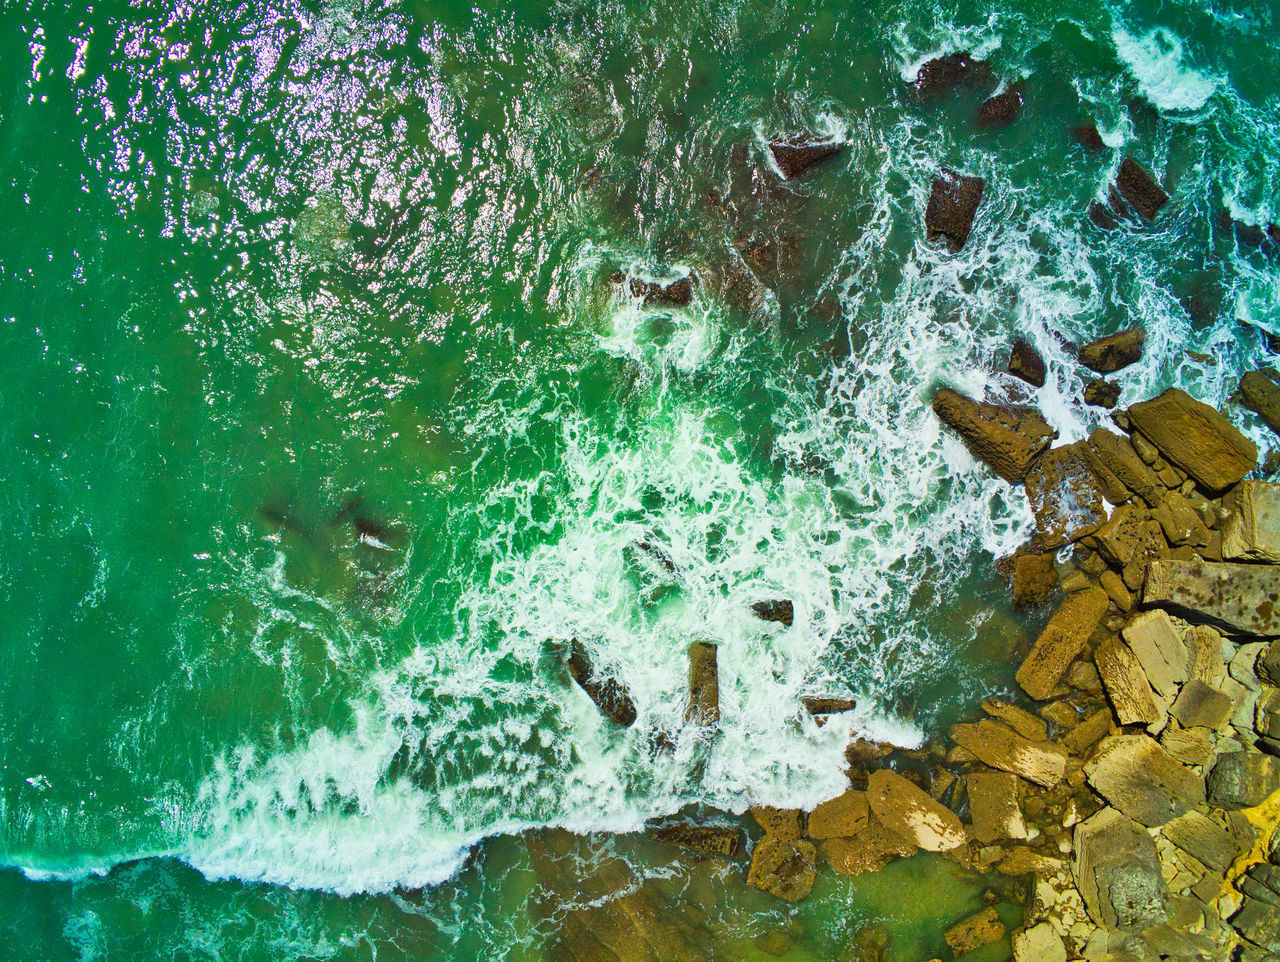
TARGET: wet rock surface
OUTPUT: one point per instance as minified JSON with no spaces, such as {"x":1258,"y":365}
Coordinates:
{"x":953,"y":204}
{"x":609,"y":695}
{"x":1139,"y":189}
{"x":1007,"y":439}
{"x":1026,"y":363}
{"x":1114,"y":352}
{"x":797,"y":156}
{"x":944,"y":75}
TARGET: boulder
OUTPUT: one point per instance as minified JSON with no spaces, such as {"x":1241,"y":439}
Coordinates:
{"x":821,"y":705}
{"x":1065,"y":495}
{"x":1243,"y":779}
{"x":609,"y":694}
{"x":1001,"y":110}
{"x":869,"y":849}
{"x":1136,"y":185}
{"x":677,"y":293}
{"x":1113,"y":352}
{"x":993,"y":806}
{"x":1126,"y":684}
{"x":942,"y":75}
{"x":1139,"y":778}
{"x":1262,"y":395}
{"x":953,"y":203}
{"x":1088,"y":733}
{"x":1201,"y":837}
{"x":909,"y":812}
{"x":1039,"y":943}
{"x":794,"y":157}
{"x":1190,"y":746}
{"x":1238,"y":597}
{"x":1002,"y":748}
{"x":1259,"y":922}
{"x":1196,"y":438}
{"x":1019,"y":719}
{"x":1118,"y":872}
{"x":1269,"y":663}
{"x":703,"y":707}
{"x":1200,"y":705}
{"x":1160,"y":649}
{"x":839,"y":817}
{"x":1006,"y":438}
{"x":783,"y":867}
{"x":1035,"y":579}
{"x":1088,"y":137}
{"x":1061,"y":641}
{"x":1026,"y":363}
{"x":981,"y":928}
{"x":1117,"y":456}
{"x":1102,"y":393}
{"x":780,"y":610}
{"x":779,"y":822}
{"x":706,"y":839}
{"x":1102,"y":216}
{"x":1252,"y":529}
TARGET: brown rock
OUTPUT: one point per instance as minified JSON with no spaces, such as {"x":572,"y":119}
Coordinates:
{"x":677,"y":293}
{"x":1088,"y":137}
{"x":1115,"y":351}
{"x":609,"y":695}
{"x":1026,"y":363}
{"x":1102,"y":216}
{"x":1262,"y":395}
{"x":781,"y":611}
{"x":1141,"y":779}
{"x":1088,"y":733}
{"x":1140,"y":189}
{"x":909,"y":812}
{"x":824,"y":705}
{"x":796,"y":156}
{"x":1118,"y":872}
{"x":1116,"y":454}
{"x":704,"y":686}
{"x":1019,"y":719}
{"x":780,"y":822}
{"x":953,"y":203}
{"x":1243,"y":779}
{"x":1116,"y":590}
{"x":1196,"y":438}
{"x":783,"y":867}
{"x":1102,"y":393}
{"x":1002,"y":748}
{"x":1006,"y":438}
{"x":1252,"y":529}
{"x":1199,"y":705}
{"x":1202,"y":837}
{"x":839,"y":817}
{"x":1035,"y":579}
{"x":1061,"y":641}
{"x":1126,"y":685}
{"x":1188,"y":745}
{"x":870,"y":849}
{"x":1002,"y":109}
{"x":1064,"y":495}
{"x":993,"y":806}
{"x":977,"y":930}
{"x":707,"y":839}
{"x":942,"y":75}
{"x":1240,"y":597}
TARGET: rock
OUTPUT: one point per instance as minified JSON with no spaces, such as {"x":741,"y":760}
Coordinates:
{"x":1088,"y":137}
{"x":1196,"y":438}
{"x":1252,"y":529}
{"x":609,"y":695}
{"x":1126,"y":684}
{"x":869,"y":849}
{"x":707,"y":839}
{"x":1163,"y":655}
{"x":1002,"y":109}
{"x":993,"y":806}
{"x":1243,"y":779}
{"x":780,"y":610}
{"x":1117,"y":456}
{"x":677,"y":293}
{"x":1118,"y":872}
{"x":1136,"y":185}
{"x":1262,"y":395}
{"x":1102,"y":393}
{"x":942,"y":75}
{"x":1116,"y":351}
{"x":1102,"y":216}
{"x":1001,"y":747}
{"x":1141,"y":779}
{"x":953,"y":203}
{"x":783,"y":867}
{"x":779,"y":822}
{"x":1019,"y":719}
{"x":1035,"y":579}
{"x":909,"y":812}
{"x":1061,"y":641}
{"x":1269,"y":663}
{"x":823,"y":705}
{"x":1039,"y":943}
{"x":1007,"y":439}
{"x":1259,"y":922}
{"x":1180,"y":522}
{"x":1200,"y":705}
{"x":1188,"y":745}
{"x":1025,"y":362}
{"x":704,"y":686}
{"x":839,"y":817}
{"x":1200,"y":836}
{"x":1238,"y":597}
{"x":1116,"y":590}
{"x":799,"y":155}
{"x":979,"y":929}
{"x":1065,"y":496}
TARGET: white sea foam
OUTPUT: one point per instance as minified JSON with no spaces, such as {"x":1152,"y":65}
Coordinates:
{"x":1156,"y":61}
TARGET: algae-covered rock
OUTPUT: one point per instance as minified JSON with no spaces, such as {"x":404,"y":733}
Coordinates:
{"x":1117,"y":871}
{"x":800,"y":154}
{"x":783,"y":867}
{"x":993,"y":806}
{"x":981,"y":928}
{"x":1252,"y":529}
{"x":1239,"y":597}
{"x":1262,"y":395}
{"x":1243,"y":779}
{"x":706,"y":839}
{"x":1136,"y":185}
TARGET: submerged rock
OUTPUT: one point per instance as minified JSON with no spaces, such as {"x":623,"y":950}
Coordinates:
{"x":1006,"y":438}
{"x":1114,"y":352}
{"x":820,"y":705}
{"x":1261,"y":394}
{"x":981,"y":928}
{"x":704,"y":685}
{"x":609,"y":695}
{"x":942,"y":75}
{"x":1136,"y":185}
{"x":953,"y":203}
{"x":1026,"y":363}
{"x":1088,"y":137}
{"x":707,"y":839}
{"x":676,"y":293}
{"x":798,"y":155}
{"x":783,"y":867}
{"x":1242,"y":598}
{"x":1002,"y":109}
{"x":1195,"y":437}
{"x":780,"y":610}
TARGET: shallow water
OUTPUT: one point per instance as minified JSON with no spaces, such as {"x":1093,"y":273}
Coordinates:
{"x":325,"y":428}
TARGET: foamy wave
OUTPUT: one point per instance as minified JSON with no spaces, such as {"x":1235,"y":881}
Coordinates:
{"x":1156,"y":61}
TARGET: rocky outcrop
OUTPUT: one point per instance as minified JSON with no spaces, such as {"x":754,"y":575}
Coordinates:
{"x":1242,"y":598}
{"x":870,"y":848}
{"x":783,"y":867}
{"x":1261,"y":394}
{"x":1005,"y":438}
{"x":821,"y":706}
{"x":677,"y":293}
{"x":1001,"y":110}
{"x":1131,"y":697}
{"x":1026,"y":363}
{"x":1195,"y":437}
{"x":1061,"y":641}
{"x":1114,"y":352}
{"x":800,"y":154}
{"x":609,"y":694}
{"x":907,"y":811}
{"x":1113,"y":457}
{"x":943,"y":75}
{"x":1252,"y":529}
{"x":1088,"y":137}
{"x":1065,"y":495}
{"x":703,"y":708}
{"x":1035,"y":579}
{"x":1139,"y":189}
{"x":1118,"y":872}
{"x":780,"y":610}
{"x":953,"y":204}
{"x":1140,"y":779}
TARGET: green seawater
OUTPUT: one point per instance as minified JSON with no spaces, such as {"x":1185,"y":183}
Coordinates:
{"x":324,"y":427}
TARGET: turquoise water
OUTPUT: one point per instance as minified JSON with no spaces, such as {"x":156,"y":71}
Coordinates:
{"x":324,"y":428}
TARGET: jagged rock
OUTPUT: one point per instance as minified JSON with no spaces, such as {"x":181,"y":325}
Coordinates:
{"x":1200,"y":836}
{"x":780,"y":610}
{"x":1201,"y":705}
{"x":1136,"y":185}
{"x":1259,"y":922}
{"x":869,"y":849}
{"x":779,"y":822}
{"x":822,"y":705}
{"x":707,"y":839}
{"x":909,"y":812}
{"x":1002,"y":109}
{"x":1115,"y":351}
{"x":1103,"y":217}
{"x":1001,"y":747}
{"x":1065,"y":496}
{"x":1252,"y":530}
{"x":799,"y":155}
{"x":1039,"y":943}
{"x":1117,"y":456}
{"x":783,"y":867}
{"x":993,"y":806}
{"x":979,"y":929}
{"x":1239,"y":597}
{"x":1019,"y":719}
{"x":703,"y":707}
{"x":1088,"y":137}
{"x":1061,"y":641}
{"x":1161,"y":651}
{"x":1195,"y":437}
{"x":609,"y":695}
{"x":1102,"y":393}
{"x":1026,"y":363}
{"x":839,"y":817}
{"x":1243,"y":779}
{"x":1006,"y":438}
{"x":1126,"y":684}
{"x":1118,"y":872}
{"x":953,"y":203}
{"x":1262,"y":395}
{"x":942,"y":75}
{"x":677,"y":293}
{"x":1141,"y":779}
{"x":1035,"y":579}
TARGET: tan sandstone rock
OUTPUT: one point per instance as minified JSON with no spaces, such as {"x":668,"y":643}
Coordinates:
{"x":911,"y":813}
{"x":1118,"y":872}
{"x":993,"y":806}
{"x":1240,"y":597}
{"x":1126,"y":684}
{"x":1001,"y":747}
{"x":783,"y":867}
{"x":1196,"y":437}
{"x":839,"y":817}
{"x":1142,"y":780}
{"x":1005,"y":438}
{"x":1061,"y":641}
{"x":1252,"y":529}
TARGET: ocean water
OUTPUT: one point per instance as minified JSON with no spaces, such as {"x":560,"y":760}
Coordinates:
{"x":325,"y":429}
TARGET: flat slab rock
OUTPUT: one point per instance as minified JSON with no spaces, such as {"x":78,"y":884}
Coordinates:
{"x":839,"y":817}
{"x":1126,"y":684}
{"x":911,"y":813}
{"x":1115,"y":351}
{"x":1117,"y":871}
{"x":1196,"y":437}
{"x":953,"y":204}
{"x":1243,"y":779}
{"x":869,"y":849}
{"x":1243,"y":598}
{"x":1262,"y":395}
{"x":993,"y":806}
{"x":1252,"y":530}
{"x":1061,"y":641}
{"x":707,"y":839}
{"x":1005,"y":438}
{"x":1002,"y":748}
{"x":1142,"y":780}
{"x":1065,"y":495}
